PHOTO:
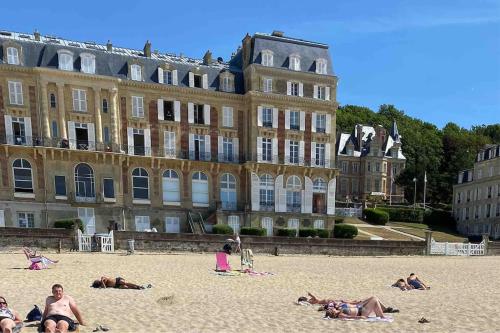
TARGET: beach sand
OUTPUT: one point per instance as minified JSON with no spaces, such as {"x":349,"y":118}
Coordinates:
{"x":188,"y":297}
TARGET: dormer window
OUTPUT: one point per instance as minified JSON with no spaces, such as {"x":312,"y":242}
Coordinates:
{"x":65,"y":58}
{"x":12,"y":56}
{"x":198,"y":80}
{"x":226,"y":82}
{"x":321,"y":66}
{"x":136,"y":72}
{"x":87,"y":63}
{"x":294,"y":62}
{"x":267,"y":58}
{"x":167,"y":76}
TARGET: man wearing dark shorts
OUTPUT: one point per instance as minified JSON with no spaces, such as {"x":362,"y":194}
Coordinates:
{"x":58,"y":310}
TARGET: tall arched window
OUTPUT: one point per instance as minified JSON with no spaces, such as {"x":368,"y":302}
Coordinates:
{"x":136,"y":72}
{"x":319,"y":196}
{"x":140,"y":184}
{"x":171,"y":193}
{"x":84,"y":183}
{"x":266,"y":192}
{"x":294,"y":62}
{"x":23,"y":177}
{"x":321,"y":66}
{"x":199,"y":189}
{"x":267,"y":223}
{"x":267,"y":58}
{"x":65,"y":58}
{"x":293,"y":194}
{"x":228,"y":191}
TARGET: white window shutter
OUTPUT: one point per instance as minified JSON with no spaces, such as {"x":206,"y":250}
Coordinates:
{"x":160,"y":75}
{"x":130,"y":140}
{"x":28,"y":133}
{"x":301,"y":89}
{"x":308,"y":195}
{"x":91,"y":135}
{"x":302,"y":121}
{"x":259,"y":149}
{"x":313,"y":122}
{"x":327,"y":93}
{"x":177,"y":111}
{"x":147,"y":142}
{"x":220,"y":149}
{"x":313,"y":154}
{"x":275,"y":150}
{"x":287,"y":119}
{"x":207,"y":148}
{"x":278,"y":188}
{"x":327,"y":155}
{"x":301,"y":152}
{"x":72,"y":135}
{"x":275,"y":117}
{"x":175,"y":80}
{"x":236,"y":149}
{"x":169,"y":144}
{"x":161,"y":111}
{"x":259,"y":116}
{"x":315,"y":91}
{"x":330,"y":201}
{"x":328,"y":123}
{"x":204,"y":78}
{"x":288,"y":88}
{"x":287,"y":151}
{"x":255,"y":192}
{"x":190,"y":113}
{"x":206,"y":113}
{"x":191,"y":146}
{"x":76,"y":105}
{"x":191,"y":79}
{"x":8,"y":129}
{"x":173,"y":149}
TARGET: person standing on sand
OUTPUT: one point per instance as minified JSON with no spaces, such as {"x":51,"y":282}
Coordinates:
{"x":56,"y":317}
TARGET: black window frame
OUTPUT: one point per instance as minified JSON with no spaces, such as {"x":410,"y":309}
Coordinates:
{"x":57,"y":186}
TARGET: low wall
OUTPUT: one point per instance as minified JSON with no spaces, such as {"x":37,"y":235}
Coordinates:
{"x":493,"y":248}
{"x":36,"y":237}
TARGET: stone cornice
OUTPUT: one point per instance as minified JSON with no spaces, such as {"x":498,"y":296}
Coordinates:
{"x":291,"y":100}
{"x":290,"y":74}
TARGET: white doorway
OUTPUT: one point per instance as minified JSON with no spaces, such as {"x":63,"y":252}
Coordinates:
{"x":172,"y":224}
{"x":234,"y":222}
{"x":142,"y":223}
{"x":2,"y":218}
{"x":294,"y":224}
{"x":267,"y":223}
{"x":88,"y":218}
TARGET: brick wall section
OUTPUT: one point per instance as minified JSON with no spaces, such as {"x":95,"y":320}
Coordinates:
{"x":34,"y":114}
{"x":281,"y":136}
{"x":2,"y":118}
{"x":153,"y":121}
{"x":307,"y":139}
{"x":123,"y":112}
{"x":184,"y":129}
{"x":214,"y":133}
{"x":125,"y":176}
{"x":241,"y":135}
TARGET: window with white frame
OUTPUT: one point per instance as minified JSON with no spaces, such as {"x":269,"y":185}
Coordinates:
{"x":320,"y":123}
{"x":234,"y":222}
{"x":294,"y":152}
{"x":142,"y":223}
{"x":228,"y":191}
{"x":26,"y":220}
{"x":294,"y":88}
{"x":55,"y":132}
{"x":267,"y":117}
{"x":227,"y":83}
{"x":168,"y":76}
{"x":13,"y":56}
{"x":294,"y":62}
{"x":84,"y":182}
{"x":267,"y":150}
{"x":65,"y":60}
{"x":16,"y":93}
{"x":227,"y":116}
{"x":267,"y":85}
{"x":227,"y":149}
{"x":172,"y":224}
{"x":79,"y":100}
{"x":138,"y":106}
{"x":319,"y":224}
{"x":140,"y":184}
{"x":345,"y":167}
{"x":199,"y":189}
{"x":294,"y":225}
{"x":293,"y":194}
{"x":169,"y":144}
{"x":19,"y":130}
{"x":171,"y":187}
{"x":295,"y":120}
{"x":320,"y":154}
{"x":266,"y":192}
{"x":321,"y":92}
{"x":321,"y":66}
{"x":136,"y":72}
{"x":267,"y":58}
{"x":87,"y":63}
{"x":23,"y":177}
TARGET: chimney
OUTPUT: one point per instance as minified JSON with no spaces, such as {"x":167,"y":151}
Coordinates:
{"x":278,"y":33}
{"x":147,"y":49}
{"x":109,"y":46}
{"x":246,"y":46}
{"x":37,"y":35}
{"x":207,"y":58}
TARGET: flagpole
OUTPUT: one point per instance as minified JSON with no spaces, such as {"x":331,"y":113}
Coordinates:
{"x":425,"y":185}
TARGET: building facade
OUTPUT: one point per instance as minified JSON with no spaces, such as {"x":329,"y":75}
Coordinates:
{"x":369,"y":160}
{"x":133,"y":139}
{"x":476,"y":196}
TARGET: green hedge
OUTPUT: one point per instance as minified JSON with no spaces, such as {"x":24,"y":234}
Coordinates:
{"x":68,"y":224}
{"x":376,"y":216}
{"x":308,"y":232}
{"x":251,"y":231}
{"x":222,"y":229}
{"x":323,"y":233}
{"x":345,"y":231}
{"x":284,"y":232}
{"x":439,"y":218}
{"x":339,"y":220}
{"x":404,"y":214}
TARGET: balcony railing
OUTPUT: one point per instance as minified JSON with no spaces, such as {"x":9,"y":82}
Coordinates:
{"x":293,"y":208}
{"x":266,"y":206}
{"x":228,"y":205}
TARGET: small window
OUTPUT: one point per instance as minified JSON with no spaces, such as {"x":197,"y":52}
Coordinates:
{"x":294,"y":88}
{"x":295,"y":120}
{"x":267,"y":85}
{"x":87,"y":63}
{"x":267,"y":117}
{"x":136,"y":72}
{"x":294,"y":62}
{"x":16,"y":93}
{"x":26,"y":220}
{"x":137,"y":107}
{"x":167,"y":77}
{"x":106,"y":134}
{"x":198,"y":81}
{"x":109,"y":189}
{"x":227,"y":83}
{"x":53,"y":103}
{"x":55,"y":132}
{"x":321,"y":66}
{"x":65,"y":60}
{"x":199,"y":114}
{"x":60,"y":185}
{"x":168,"y":110}
{"x":321,"y":123}
{"x":79,"y":100}
{"x":294,"y":152}
{"x":227,"y":116}
{"x":321,"y":92}
{"x":12,"y":56}
{"x":267,"y":58}
{"x":105,"y":105}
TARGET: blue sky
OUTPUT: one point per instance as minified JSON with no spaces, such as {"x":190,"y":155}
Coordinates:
{"x":436,"y":60}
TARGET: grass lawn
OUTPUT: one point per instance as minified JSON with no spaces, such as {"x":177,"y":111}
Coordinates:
{"x":408,"y":224}
{"x":386,"y":234}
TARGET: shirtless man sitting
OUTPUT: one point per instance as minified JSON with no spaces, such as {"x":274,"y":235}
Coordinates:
{"x":57,"y":314}
{"x":119,"y":283}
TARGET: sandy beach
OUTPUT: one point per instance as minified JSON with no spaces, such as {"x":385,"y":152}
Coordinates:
{"x":463,"y":298}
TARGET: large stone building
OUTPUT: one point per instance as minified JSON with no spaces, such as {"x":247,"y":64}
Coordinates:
{"x":369,"y":160}
{"x":139,"y":139}
{"x":476,"y":196}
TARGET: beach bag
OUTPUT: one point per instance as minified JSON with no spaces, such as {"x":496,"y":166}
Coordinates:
{"x":34,"y":315}
{"x":35,"y":266}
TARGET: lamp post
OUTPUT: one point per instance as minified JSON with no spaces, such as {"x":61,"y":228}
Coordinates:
{"x":415,"y":194}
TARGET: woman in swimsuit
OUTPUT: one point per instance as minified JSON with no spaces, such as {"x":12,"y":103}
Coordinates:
{"x":8,"y":317}
{"x":416,"y":283}
{"x":361,"y":310}
{"x":401,"y":284}
{"x":118,"y":283}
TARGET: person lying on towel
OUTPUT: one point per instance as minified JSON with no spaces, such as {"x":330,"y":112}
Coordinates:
{"x":370,"y":306}
{"x":118,"y":283}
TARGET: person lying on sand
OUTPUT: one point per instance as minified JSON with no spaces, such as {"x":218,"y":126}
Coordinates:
{"x":361,"y":310}
{"x":401,"y":284}
{"x":327,"y":303}
{"x":58,"y":310}
{"x":314,"y":300}
{"x":118,"y":283}
{"x":8,"y":317}
{"x":416,"y":283}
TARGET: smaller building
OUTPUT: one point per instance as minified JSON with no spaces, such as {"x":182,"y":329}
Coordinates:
{"x":369,"y":160}
{"x":476,"y":197}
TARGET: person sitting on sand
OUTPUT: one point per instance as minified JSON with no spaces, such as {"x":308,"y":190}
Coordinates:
{"x":401,"y":284}
{"x":416,"y":283}
{"x":331,"y":303}
{"x":57,"y":313}
{"x":8,"y":317}
{"x":361,"y":310}
{"x":118,"y":283}
{"x":30,"y":254}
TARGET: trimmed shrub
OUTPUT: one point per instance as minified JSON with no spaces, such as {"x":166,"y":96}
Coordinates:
{"x":284,"y":232}
{"x":222,"y":229}
{"x":322,"y":233}
{"x":404,"y":214}
{"x":376,"y":216}
{"x":339,"y":220}
{"x":308,"y":232}
{"x":345,"y":231}
{"x":68,"y":224}
{"x":252,"y":231}
{"x":439,"y":218}
{"x":475,"y":238}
